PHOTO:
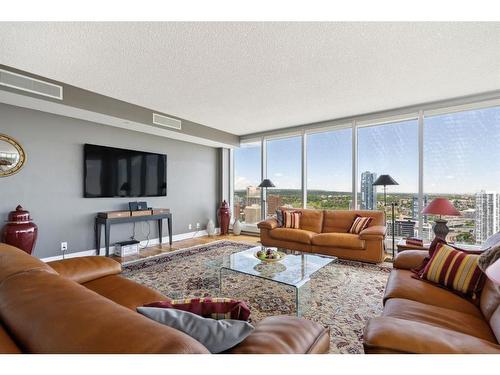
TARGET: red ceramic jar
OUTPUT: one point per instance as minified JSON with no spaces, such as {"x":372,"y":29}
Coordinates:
{"x":20,"y":231}
{"x":224,"y":216}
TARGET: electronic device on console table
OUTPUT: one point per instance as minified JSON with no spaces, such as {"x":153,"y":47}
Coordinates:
{"x":126,"y":248}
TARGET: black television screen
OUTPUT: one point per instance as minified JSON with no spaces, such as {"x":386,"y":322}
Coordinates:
{"x":116,"y":172}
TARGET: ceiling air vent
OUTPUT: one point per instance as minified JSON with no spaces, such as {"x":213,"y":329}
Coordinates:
{"x":28,"y":84}
{"x":167,"y":122}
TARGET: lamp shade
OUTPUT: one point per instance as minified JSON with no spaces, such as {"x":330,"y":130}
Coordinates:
{"x":266,"y":184}
{"x":441,"y":206}
{"x":385,"y":180}
{"x":493,"y":272}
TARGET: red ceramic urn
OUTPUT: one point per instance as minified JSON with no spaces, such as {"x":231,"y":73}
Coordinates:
{"x":224,"y":216}
{"x":20,"y":231}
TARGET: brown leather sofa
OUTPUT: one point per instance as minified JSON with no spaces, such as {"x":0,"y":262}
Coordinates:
{"x":83,"y":305}
{"x":326,"y":232}
{"x":419,"y":317}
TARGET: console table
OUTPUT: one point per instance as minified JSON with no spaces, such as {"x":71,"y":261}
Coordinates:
{"x":107,"y":222}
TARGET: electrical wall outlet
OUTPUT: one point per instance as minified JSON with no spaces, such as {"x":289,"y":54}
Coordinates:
{"x":197,"y":225}
{"x":64,"y":246}
{"x":190,"y":226}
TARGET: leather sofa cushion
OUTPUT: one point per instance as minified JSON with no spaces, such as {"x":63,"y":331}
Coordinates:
{"x":341,"y":220}
{"x":343,"y":240}
{"x":14,"y":260}
{"x":438,"y":317}
{"x":123,"y":291}
{"x":7,"y":345}
{"x":83,"y":269}
{"x":310,"y":220}
{"x":401,"y":284}
{"x":285,"y":335}
{"x":295,"y":235}
{"x":46,"y":313}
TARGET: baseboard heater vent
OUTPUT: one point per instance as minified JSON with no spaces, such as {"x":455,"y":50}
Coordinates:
{"x":167,"y":122}
{"x":28,"y":84}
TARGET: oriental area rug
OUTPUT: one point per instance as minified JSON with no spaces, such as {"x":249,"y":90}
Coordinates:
{"x":343,"y":295}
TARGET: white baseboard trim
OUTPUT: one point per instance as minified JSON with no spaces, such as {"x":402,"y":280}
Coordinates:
{"x":144,"y":243}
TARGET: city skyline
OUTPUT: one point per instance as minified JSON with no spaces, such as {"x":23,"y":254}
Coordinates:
{"x":455,"y":150}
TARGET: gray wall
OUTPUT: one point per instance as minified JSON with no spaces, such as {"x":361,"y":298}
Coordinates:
{"x":50,"y":185}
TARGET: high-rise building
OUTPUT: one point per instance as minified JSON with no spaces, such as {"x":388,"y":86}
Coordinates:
{"x":402,"y":228}
{"x":252,"y":214}
{"x":487,"y":215}
{"x":253,"y":195}
{"x":415,"y":211}
{"x":368,"y":191}
{"x":273,"y":203}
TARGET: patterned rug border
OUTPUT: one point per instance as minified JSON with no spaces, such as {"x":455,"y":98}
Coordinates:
{"x":142,"y":264}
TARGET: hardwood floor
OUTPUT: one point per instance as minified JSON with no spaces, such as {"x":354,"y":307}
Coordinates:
{"x":165,"y":248}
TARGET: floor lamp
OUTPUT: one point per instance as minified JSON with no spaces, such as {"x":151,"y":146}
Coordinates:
{"x":386,"y":180}
{"x":266,"y":183}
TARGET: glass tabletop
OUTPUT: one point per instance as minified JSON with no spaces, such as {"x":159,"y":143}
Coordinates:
{"x":294,"y":269}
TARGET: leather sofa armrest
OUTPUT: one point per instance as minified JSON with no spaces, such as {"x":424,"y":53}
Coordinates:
{"x":408,"y":259}
{"x":393,"y":335}
{"x":375,"y":232}
{"x":83,"y":269}
{"x":268,"y":224}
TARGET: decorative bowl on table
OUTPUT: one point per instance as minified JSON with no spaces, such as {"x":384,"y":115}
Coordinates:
{"x":269,"y":255}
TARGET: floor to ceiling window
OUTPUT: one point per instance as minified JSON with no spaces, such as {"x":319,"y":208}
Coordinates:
{"x":284,"y":169}
{"x":390,"y":149}
{"x":462,"y":163}
{"x":329,"y":169}
{"x":247,"y":177}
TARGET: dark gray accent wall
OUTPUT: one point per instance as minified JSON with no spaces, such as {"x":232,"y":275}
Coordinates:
{"x":50,"y":185}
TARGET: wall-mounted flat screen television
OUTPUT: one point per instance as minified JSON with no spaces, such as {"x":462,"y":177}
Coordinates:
{"x":115,"y":172}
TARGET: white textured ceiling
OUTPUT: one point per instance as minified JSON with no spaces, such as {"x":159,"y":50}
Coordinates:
{"x":249,"y":77}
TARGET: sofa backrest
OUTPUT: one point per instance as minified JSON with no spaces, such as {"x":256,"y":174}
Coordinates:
{"x":490,"y":306}
{"x":339,"y":221}
{"x":311,"y":220}
{"x":46,"y":313}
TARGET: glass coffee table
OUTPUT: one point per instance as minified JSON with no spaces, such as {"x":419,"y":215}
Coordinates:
{"x":295,"y":270}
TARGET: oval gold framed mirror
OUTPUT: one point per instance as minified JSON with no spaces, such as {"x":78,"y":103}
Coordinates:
{"x":12,"y":156}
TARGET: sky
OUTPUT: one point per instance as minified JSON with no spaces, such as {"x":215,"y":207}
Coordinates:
{"x":461,"y":155}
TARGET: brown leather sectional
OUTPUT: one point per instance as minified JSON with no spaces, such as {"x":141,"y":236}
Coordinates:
{"x":420,"y":317}
{"x":83,"y":305}
{"x":326,"y":232}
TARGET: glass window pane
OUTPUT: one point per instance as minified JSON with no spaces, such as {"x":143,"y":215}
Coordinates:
{"x":284,"y":169}
{"x":329,"y":170}
{"x":247,"y":176}
{"x":390,"y":149}
{"x":462,"y":163}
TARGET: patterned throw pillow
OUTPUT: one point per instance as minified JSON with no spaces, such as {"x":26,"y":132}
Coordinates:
{"x":360,"y":223}
{"x":215,"y":308}
{"x":455,"y":270}
{"x":291,"y":219}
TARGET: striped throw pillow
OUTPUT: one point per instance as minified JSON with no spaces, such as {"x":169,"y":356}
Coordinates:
{"x":359,"y":224}
{"x":455,"y":270}
{"x":291,"y":219}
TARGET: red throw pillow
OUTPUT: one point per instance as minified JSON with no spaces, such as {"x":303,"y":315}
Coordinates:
{"x":437,"y":242}
{"x":455,"y":270}
{"x":215,"y":308}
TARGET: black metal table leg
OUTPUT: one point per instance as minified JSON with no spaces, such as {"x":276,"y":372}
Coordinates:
{"x":107,"y":231}
{"x":97,"y":229}
{"x":169,"y":221}
{"x":160,"y":230}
